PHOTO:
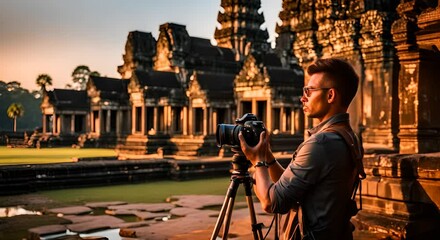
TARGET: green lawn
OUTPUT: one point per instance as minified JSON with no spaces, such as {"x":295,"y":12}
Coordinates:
{"x":13,"y":156}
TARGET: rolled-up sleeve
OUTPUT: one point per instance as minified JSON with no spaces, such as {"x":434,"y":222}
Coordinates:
{"x":299,"y":176}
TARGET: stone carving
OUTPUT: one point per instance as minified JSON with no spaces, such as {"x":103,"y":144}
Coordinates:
{"x":376,"y":29}
{"x":162,"y":61}
{"x":305,"y":47}
{"x":251,"y":74}
{"x":345,"y":36}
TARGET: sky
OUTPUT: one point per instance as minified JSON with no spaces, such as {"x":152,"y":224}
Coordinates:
{"x":55,"y":36}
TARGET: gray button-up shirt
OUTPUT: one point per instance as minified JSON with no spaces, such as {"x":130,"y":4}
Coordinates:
{"x":320,"y":178}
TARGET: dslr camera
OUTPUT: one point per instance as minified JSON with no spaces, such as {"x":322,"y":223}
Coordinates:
{"x":248,"y":124}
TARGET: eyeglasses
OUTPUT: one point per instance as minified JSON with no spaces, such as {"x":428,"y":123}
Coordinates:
{"x":308,"y":90}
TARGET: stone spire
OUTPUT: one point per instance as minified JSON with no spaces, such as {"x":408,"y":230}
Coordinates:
{"x":139,"y":51}
{"x":240,"y":27}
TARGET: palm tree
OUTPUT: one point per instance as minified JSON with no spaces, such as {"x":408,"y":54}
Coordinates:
{"x":14,"y":111}
{"x":43,"y":80}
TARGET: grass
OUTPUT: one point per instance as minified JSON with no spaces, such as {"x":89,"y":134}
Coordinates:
{"x":14,"y":156}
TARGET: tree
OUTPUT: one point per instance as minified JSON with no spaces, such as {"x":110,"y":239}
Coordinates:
{"x":43,"y":80}
{"x":81,"y":75}
{"x":14,"y":111}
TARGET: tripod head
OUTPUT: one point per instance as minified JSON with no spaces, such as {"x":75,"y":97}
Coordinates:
{"x":240,"y":164}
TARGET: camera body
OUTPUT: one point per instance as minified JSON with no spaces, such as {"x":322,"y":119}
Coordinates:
{"x":248,"y":125}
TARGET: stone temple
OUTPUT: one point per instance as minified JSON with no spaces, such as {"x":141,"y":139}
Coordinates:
{"x":175,"y":89}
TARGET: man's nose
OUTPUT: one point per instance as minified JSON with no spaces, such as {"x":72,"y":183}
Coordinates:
{"x":303,"y":99}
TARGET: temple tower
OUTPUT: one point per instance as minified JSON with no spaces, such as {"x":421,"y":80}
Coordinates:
{"x":240,"y":27}
{"x":140,"y":49}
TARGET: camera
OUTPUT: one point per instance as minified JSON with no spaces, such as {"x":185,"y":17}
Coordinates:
{"x":248,"y":124}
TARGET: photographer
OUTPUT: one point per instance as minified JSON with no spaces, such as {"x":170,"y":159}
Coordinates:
{"x":319,"y":182}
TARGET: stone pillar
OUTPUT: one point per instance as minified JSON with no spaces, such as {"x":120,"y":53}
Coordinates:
{"x":171,"y":121}
{"x":108,"y":116}
{"x":133,"y":119}
{"x":191,"y":120}
{"x":254,"y":107}
{"x":119,"y":122}
{"x":269,"y":114}
{"x":156,"y":120}
{"x":54,"y":123}
{"x":214,"y":120}
{"x":417,"y":44}
{"x":380,"y":101}
{"x":44,"y":122}
{"x":205,"y":121}
{"x":282,"y":119}
{"x":211,"y":120}
{"x":72,"y":123}
{"x":100,"y":122}
{"x":185,"y":120}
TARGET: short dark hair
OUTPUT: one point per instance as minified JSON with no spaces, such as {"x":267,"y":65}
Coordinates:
{"x":340,"y":73}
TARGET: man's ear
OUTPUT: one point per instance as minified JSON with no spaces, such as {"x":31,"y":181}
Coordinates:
{"x":331,"y":95}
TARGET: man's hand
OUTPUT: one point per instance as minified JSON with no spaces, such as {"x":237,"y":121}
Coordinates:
{"x":258,"y":153}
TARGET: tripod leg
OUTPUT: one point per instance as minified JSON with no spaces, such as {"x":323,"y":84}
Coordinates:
{"x":228,"y":218}
{"x":256,"y":227}
{"x":226,"y":208}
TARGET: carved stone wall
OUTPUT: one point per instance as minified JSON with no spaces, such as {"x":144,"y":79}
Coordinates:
{"x":394,"y":47}
{"x":417,"y":37}
{"x":380,"y":115}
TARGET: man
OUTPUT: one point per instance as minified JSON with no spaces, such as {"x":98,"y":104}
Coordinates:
{"x":320,"y":180}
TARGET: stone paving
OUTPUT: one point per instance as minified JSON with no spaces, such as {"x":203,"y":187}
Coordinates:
{"x":180,"y":218}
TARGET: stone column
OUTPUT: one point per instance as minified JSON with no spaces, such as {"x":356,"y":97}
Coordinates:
{"x":72,"y":123}
{"x":416,"y":37}
{"x":269,"y":113}
{"x":380,"y":116}
{"x":108,"y":126}
{"x":156,"y":120}
{"x":185,"y":121}
{"x":214,"y":121}
{"x":44,"y":122}
{"x":133,"y":119}
{"x":205,"y":120}
{"x":191,"y":120}
{"x":119,"y":121}
{"x":211,"y":128}
{"x":171,"y":120}
{"x":100,"y":122}
{"x":54,"y":123}
{"x":282,"y":118}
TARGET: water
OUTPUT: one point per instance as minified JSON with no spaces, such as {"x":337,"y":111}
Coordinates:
{"x":15,"y":211}
{"x":112,"y":234}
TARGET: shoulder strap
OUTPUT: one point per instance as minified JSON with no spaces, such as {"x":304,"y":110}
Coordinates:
{"x":352,"y":140}
{"x":357,"y":153}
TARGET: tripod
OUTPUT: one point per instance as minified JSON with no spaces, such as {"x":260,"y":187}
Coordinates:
{"x":240,"y":175}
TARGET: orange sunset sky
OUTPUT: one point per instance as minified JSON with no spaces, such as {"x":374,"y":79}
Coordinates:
{"x":55,"y":36}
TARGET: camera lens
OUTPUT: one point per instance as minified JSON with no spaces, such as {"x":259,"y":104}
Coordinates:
{"x":227,"y":134}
